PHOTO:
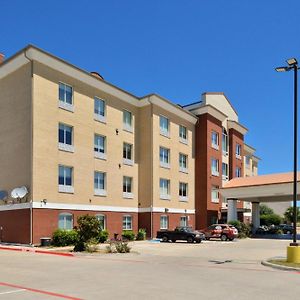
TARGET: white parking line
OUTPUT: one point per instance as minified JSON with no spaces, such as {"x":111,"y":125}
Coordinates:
{"x":13,"y":291}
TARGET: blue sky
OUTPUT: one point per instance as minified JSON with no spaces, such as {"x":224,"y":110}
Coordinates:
{"x":178,"y":49}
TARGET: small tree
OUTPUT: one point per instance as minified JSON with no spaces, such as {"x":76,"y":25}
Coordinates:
{"x":289,"y":214}
{"x":265,"y":210}
{"x":88,"y":231}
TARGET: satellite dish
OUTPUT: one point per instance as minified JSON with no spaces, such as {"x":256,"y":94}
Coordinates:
{"x":19,"y":192}
{"x":3,"y":195}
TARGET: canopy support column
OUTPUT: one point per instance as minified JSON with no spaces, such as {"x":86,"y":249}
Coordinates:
{"x":232,"y":211}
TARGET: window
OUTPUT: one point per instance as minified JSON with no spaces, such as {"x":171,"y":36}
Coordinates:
{"x":164,"y":185}
{"x":215,"y":140}
{"x":224,"y":171}
{"x":127,"y":154}
{"x":247,"y":159}
{"x":215,"y":194}
{"x":65,"y":179}
{"x":102,"y":221}
{"x":182,"y":134}
{"x":183,"y":191}
{"x":99,"y":110}
{"x":215,"y":167}
{"x":127,"y":223}
{"x":127,"y":121}
{"x":164,"y":157}
{"x":183,"y":221}
{"x":99,"y":183}
{"x":65,"y":96}
{"x":238,"y":172}
{"x":100,"y":146}
{"x":127,"y":187}
{"x":224,"y":141}
{"x":65,"y":221}
{"x":164,"y":126}
{"x":164,"y":222}
{"x":238,"y":151}
{"x":65,"y":137}
{"x":183,"y":163}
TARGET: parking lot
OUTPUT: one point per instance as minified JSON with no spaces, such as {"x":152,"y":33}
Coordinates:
{"x":210,"y":270}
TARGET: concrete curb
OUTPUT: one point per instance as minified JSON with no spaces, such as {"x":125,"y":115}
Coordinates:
{"x":279,"y":267}
{"x":34,"y":250}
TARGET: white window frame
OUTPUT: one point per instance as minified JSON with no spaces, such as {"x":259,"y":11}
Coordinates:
{"x":164,"y":222}
{"x":225,"y":175}
{"x":127,"y":127}
{"x":167,"y":188}
{"x":214,"y":172}
{"x":98,"y":191}
{"x":126,"y":194}
{"x":128,"y":161}
{"x":215,"y":140}
{"x":183,"y":168}
{"x":126,"y":218}
{"x":98,"y":216}
{"x":224,"y":142}
{"x":181,"y":196}
{"x":182,"y":139}
{"x":185,"y":222}
{"x":164,"y":131}
{"x":63,"y":145}
{"x":99,"y":117}
{"x":162,"y":163}
{"x":98,"y":154}
{"x":64,"y":188}
{"x":238,"y":151}
{"x":238,"y":171}
{"x":64,"y":215}
{"x":215,"y":195}
{"x":62,"y":103}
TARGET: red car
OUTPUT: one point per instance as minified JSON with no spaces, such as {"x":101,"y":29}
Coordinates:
{"x":220,"y":231}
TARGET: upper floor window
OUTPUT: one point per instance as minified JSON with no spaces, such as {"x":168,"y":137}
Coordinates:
{"x":65,"y":179}
{"x":238,"y":172}
{"x":65,"y":221}
{"x":224,"y":141}
{"x":183,"y":191}
{"x":65,"y":137}
{"x":99,"y":183}
{"x":99,"y":109}
{"x":65,"y":96}
{"x":238,"y":151}
{"x":247,"y":160}
{"x":102,"y":221}
{"x":164,"y":186}
{"x":127,"y":120}
{"x":215,"y":167}
{"x":127,"y":187}
{"x":215,"y":194}
{"x":164,"y":222}
{"x":164,"y":126}
{"x":224,"y":171}
{"x":100,"y":146}
{"x":127,"y":154}
{"x":164,"y":157}
{"x":183,"y":163}
{"x":182,"y":134}
{"x":215,"y":140}
{"x":127,"y":222}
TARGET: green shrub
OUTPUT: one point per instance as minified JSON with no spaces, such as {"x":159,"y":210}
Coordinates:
{"x":91,"y":245}
{"x":62,"y":237}
{"x":118,"y":247}
{"x":141,"y":235}
{"x":243,"y":229}
{"x":269,"y":220}
{"x":103,"y":236}
{"x":128,"y":235}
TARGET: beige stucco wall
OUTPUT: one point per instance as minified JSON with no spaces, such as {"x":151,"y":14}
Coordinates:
{"x":15,"y":130}
{"x":47,"y":157}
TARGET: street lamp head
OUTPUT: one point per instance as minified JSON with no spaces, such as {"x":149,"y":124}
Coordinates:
{"x":292,"y":61}
{"x":282,"y":69}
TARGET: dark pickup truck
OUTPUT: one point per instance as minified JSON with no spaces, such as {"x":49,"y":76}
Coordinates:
{"x":181,"y":233}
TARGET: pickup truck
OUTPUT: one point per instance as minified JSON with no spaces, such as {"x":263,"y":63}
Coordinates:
{"x":180,"y":233}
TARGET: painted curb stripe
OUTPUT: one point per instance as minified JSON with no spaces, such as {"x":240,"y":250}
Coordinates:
{"x":33,"y":250}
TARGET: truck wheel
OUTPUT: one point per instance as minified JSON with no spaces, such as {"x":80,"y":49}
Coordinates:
{"x":165,"y":239}
{"x":173,"y":241}
{"x":190,"y":239}
{"x":223,"y":237}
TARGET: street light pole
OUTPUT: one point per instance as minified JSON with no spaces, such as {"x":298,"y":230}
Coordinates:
{"x":293,"y":65}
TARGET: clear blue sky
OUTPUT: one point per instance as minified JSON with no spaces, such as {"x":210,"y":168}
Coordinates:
{"x":178,"y":49}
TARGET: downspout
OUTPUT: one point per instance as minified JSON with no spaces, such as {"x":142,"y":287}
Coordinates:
{"x":31,"y":152}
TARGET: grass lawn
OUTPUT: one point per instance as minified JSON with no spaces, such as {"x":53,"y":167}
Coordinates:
{"x":283,"y":262}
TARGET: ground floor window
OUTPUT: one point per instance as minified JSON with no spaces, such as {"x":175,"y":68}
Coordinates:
{"x":102,"y":221}
{"x":127,"y":223}
{"x":65,"y":221}
{"x":164,"y":222}
{"x":183,"y":221}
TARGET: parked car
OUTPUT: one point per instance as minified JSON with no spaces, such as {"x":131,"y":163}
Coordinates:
{"x":263,"y":229}
{"x":287,"y":229}
{"x":220,"y":231}
{"x":181,"y":233}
